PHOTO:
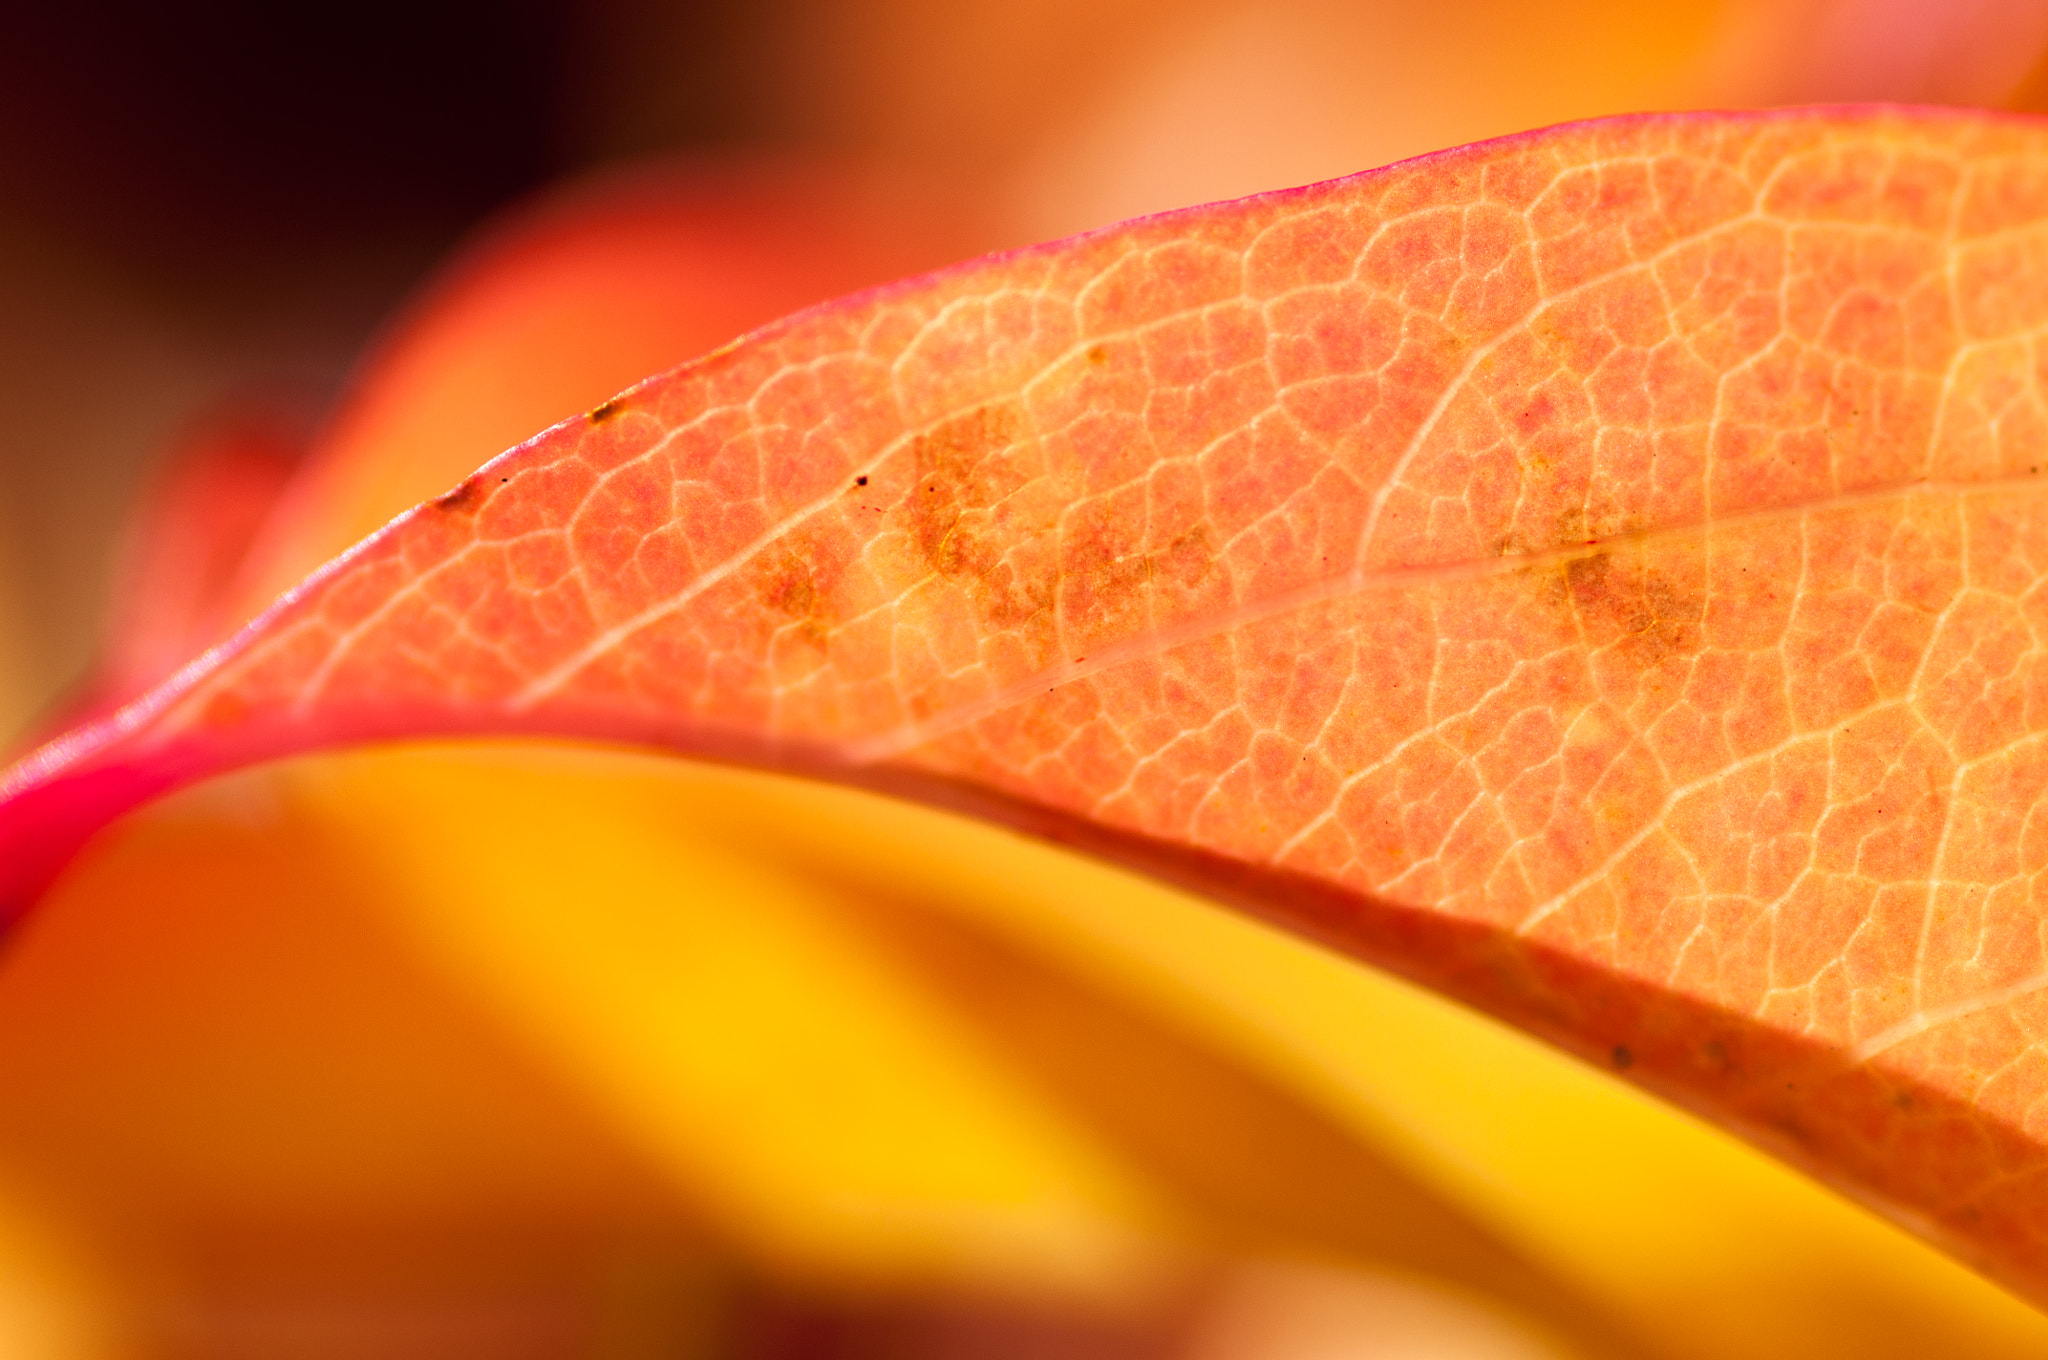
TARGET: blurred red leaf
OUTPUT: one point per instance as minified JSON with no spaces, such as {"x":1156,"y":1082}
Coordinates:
{"x":218,"y":485}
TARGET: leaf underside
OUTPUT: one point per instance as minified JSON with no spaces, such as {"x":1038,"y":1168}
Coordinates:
{"x":1599,"y":573}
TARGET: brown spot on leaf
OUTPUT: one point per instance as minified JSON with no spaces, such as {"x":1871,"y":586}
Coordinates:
{"x":1649,"y":614}
{"x":463,"y":500}
{"x":952,"y":480}
{"x":1098,"y":354}
{"x":1189,"y":560}
{"x":789,"y":589}
{"x":789,"y":585}
{"x":965,"y":470}
{"x":605,"y":410}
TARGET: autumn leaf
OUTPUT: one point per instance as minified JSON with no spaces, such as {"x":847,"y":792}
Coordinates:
{"x":1593,"y":572}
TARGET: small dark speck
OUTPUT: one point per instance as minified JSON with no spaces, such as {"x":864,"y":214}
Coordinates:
{"x":503,"y":480}
{"x":604,"y":411}
{"x":461,"y":501}
{"x":860,"y":481}
{"x":1623,"y":1059}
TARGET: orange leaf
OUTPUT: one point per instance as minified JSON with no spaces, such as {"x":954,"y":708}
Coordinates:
{"x":1596,"y":573}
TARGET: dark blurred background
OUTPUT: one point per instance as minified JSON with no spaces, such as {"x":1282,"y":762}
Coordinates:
{"x":199,"y":196}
